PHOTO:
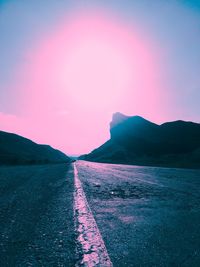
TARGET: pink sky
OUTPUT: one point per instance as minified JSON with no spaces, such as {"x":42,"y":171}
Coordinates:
{"x":89,"y":66}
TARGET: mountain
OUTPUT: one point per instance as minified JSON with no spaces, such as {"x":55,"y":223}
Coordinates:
{"x":15,"y":149}
{"x":135,"y":140}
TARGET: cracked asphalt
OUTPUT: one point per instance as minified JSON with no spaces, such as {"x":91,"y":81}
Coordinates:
{"x":147,"y":216}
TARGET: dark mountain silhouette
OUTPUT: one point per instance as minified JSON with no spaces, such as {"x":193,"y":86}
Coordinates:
{"x":15,"y":149}
{"x":134,"y":140}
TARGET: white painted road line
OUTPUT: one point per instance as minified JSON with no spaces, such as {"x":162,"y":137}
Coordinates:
{"x":90,"y":245}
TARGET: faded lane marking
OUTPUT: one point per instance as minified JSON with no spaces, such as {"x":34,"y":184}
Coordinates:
{"x":90,"y":245}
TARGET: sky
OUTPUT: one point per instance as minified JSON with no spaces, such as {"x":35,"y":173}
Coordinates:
{"x":67,"y":66}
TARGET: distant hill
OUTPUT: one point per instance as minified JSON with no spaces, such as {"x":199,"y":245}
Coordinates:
{"x":15,"y":149}
{"x":135,"y":140}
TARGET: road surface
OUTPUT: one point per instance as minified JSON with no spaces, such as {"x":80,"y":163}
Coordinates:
{"x":99,"y":215}
{"x":146,"y":216}
{"x":36,"y":216}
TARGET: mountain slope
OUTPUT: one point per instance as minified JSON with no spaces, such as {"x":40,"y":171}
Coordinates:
{"x":15,"y":149}
{"x":134,"y":140}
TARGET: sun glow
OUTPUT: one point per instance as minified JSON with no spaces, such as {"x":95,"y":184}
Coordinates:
{"x":96,"y":73}
{"x":93,"y":62}
{"x":91,"y":65}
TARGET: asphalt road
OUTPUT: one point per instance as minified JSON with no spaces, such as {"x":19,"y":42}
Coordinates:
{"x":138,"y":216}
{"x":36,"y":216}
{"x":147,"y":216}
